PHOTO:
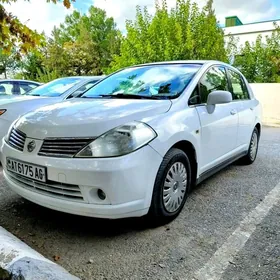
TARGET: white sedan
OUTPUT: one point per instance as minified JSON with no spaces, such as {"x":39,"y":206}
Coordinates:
{"x":12,"y":106}
{"x":136,"y":142}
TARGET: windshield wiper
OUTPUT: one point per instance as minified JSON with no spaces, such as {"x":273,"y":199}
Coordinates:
{"x":131,"y":96}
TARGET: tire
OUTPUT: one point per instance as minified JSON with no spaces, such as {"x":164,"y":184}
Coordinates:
{"x":251,"y":155}
{"x":171,"y":187}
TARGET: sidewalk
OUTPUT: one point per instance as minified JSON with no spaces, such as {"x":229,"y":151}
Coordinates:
{"x":19,"y":262}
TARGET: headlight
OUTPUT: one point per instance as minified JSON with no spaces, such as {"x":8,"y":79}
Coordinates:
{"x":119,"y":141}
{"x":2,"y":111}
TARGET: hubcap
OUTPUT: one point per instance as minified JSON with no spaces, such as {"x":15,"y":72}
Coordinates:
{"x":254,"y":146}
{"x":175,"y":186}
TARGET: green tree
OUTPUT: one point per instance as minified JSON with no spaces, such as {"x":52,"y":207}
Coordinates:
{"x":83,"y":44}
{"x":185,"y":32}
{"x":14,"y":33}
{"x":31,"y":65}
{"x":8,"y":63}
{"x":260,"y":61}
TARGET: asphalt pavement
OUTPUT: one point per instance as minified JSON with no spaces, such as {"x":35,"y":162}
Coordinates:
{"x":129,"y":249}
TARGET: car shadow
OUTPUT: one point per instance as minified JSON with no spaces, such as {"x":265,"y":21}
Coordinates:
{"x":36,"y":216}
{"x":33,"y":217}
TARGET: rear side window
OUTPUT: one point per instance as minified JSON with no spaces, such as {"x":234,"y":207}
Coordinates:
{"x":26,"y":87}
{"x":239,"y":89}
{"x":7,"y":88}
{"x":214,"y":79}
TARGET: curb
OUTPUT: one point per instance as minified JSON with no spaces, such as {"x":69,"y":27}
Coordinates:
{"x":21,"y":262}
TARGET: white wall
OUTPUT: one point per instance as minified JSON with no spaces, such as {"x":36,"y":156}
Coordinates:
{"x":250,"y":32}
{"x":269,"y":97}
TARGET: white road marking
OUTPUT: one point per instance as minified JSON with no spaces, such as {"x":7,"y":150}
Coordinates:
{"x":215,"y":267}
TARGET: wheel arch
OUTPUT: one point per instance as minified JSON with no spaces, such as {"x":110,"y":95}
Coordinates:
{"x":259,"y":128}
{"x":189,"y":149}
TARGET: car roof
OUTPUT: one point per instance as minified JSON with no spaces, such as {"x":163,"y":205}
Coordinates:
{"x":83,"y":77}
{"x":201,"y":62}
{"x":18,"y":80}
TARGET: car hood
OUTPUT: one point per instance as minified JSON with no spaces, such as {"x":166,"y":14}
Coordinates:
{"x":87,"y":117}
{"x":7,"y":99}
{"x":20,"y":105}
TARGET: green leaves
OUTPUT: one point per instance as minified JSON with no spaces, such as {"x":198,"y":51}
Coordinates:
{"x":181,"y":33}
{"x":83,"y":44}
{"x":260,"y":61}
{"x":15,"y":34}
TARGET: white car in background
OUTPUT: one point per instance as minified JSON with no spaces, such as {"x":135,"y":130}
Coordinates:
{"x":135,"y":142}
{"x":16,"y":87}
{"x":13,"y":106}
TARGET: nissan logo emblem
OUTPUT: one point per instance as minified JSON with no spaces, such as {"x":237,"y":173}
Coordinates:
{"x":31,"y":146}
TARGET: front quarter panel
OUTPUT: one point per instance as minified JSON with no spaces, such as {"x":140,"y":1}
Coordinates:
{"x":174,"y":127}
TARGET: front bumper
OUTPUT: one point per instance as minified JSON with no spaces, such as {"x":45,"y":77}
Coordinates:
{"x":127,"y":181}
{"x":4,"y":127}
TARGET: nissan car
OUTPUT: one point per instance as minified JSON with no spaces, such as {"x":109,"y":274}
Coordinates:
{"x":136,"y":142}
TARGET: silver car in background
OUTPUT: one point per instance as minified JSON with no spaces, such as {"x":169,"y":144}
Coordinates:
{"x":12,"y":106}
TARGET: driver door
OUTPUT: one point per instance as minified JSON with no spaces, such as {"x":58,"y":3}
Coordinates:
{"x":218,"y":129}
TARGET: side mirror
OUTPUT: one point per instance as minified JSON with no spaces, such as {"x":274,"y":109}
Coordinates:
{"x":217,"y":97}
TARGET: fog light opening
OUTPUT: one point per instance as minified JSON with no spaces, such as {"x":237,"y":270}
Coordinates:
{"x":101,"y":194}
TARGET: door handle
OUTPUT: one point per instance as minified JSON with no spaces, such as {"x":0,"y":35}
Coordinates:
{"x":233,"y":112}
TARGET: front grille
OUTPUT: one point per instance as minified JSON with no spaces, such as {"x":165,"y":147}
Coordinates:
{"x":17,"y":139}
{"x":63,"y":147}
{"x":50,"y":188}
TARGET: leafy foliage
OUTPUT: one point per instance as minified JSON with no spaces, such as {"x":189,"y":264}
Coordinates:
{"x":83,"y":44}
{"x":8,"y":62}
{"x":13,"y":33}
{"x":182,"y":33}
{"x":260,"y":61}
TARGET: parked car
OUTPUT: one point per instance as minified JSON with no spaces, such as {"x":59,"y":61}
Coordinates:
{"x":136,"y":142}
{"x":17,"y":87}
{"x":11,"y":106}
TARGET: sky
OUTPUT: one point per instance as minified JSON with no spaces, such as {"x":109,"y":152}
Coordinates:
{"x":43,"y":16}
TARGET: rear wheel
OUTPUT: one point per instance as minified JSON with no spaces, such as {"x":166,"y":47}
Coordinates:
{"x":171,"y":186}
{"x":253,"y":148}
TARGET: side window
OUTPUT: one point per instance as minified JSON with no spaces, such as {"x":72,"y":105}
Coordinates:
{"x":26,"y":87}
{"x":214,"y":79}
{"x":239,"y":88}
{"x":6,"y":88}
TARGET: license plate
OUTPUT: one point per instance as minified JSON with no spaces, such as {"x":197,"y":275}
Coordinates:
{"x":26,"y":169}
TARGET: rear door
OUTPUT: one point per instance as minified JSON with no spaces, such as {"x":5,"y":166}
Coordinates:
{"x":218,"y":129}
{"x":245,"y":106}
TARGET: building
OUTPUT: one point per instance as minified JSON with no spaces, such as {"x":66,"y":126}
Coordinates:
{"x":248,"y":32}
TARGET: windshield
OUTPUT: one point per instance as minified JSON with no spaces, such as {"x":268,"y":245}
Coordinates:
{"x":55,"y":88}
{"x":152,"y":81}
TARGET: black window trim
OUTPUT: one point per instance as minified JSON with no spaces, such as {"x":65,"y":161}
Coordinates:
{"x":197,"y":85}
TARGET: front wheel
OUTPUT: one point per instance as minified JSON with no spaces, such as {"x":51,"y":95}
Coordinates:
{"x":171,"y":186}
{"x":251,"y":155}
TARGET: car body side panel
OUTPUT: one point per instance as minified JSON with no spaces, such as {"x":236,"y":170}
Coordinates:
{"x":176,"y":126}
{"x":218,"y":133}
{"x":248,"y":120}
